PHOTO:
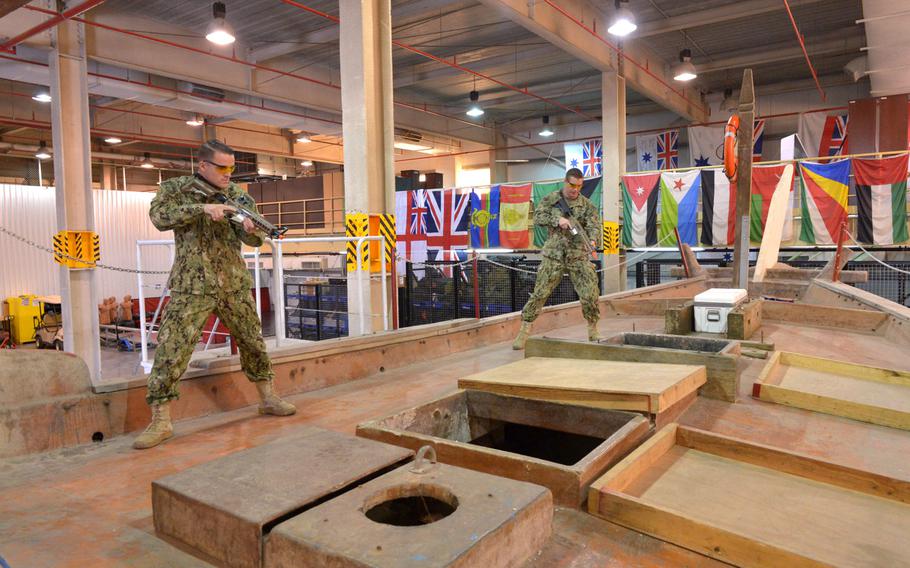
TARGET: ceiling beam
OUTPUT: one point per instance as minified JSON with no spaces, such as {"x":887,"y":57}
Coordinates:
{"x":7,"y":6}
{"x":645,"y":73}
{"x":733,"y":11}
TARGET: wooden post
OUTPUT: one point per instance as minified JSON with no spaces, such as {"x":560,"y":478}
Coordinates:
{"x":682,"y":253}
{"x":744,"y":181}
{"x":839,"y":256}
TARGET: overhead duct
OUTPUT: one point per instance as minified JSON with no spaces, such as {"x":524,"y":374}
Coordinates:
{"x":886,"y":23}
{"x":857,"y":68}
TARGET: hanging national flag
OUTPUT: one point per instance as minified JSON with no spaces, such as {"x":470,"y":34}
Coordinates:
{"x":485,"y":218}
{"x":822,"y":135}
{"x":586,"y":156}
{"x":758,"y":139}
{"x":514,"y":207}
{"x":591,"y":188}
{"x":448,"y":222}
{"x":706,"y":145}
{"x":646,"y":149}
{"x":881,"y":200}
{"x":668,"y":150}
{"x":824,"y":189}
{"x":718,"y":209}
{"x":410,"y":227}
{"x":678,"y":206}
{"x":765,"y":180}
{"x":639,"y":209}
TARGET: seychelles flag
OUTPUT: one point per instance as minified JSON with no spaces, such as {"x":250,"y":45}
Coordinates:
{"x":824,"y":200}
{"x":678,"y":206}
{"x":485,"y":218}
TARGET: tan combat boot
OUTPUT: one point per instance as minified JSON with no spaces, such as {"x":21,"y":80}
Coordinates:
{"x":159,"y":430}
{"x":523,"y":334}
{"x":271,"y":403}
{"x":592,"y":332}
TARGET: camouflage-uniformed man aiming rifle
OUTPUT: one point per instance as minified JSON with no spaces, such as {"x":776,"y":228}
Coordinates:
{"x":573,"y":223}
{"x":209,"y":275}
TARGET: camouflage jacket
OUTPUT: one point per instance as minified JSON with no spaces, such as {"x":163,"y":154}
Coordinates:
{"x":208,"y":256}
{"x":561,"y":244}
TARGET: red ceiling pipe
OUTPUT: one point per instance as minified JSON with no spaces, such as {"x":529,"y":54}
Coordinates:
{"x":453,"y":64}
{"x":802,"y":44}
{"x":9,"y":45}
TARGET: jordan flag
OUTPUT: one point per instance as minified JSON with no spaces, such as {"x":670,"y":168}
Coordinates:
{"x":881,"y":200}
{"x":718,"y":209}
{"x":639,"y":209}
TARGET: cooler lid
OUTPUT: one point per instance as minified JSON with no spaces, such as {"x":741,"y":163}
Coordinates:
{"x":722,"y":296}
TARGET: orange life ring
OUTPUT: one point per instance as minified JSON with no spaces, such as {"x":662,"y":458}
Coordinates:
{"x":731,"y":161}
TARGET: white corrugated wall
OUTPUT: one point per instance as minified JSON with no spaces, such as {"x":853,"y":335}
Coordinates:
{"x":121,"y":218}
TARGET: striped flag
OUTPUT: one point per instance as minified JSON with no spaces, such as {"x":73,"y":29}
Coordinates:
{"x":639,"y":209}
{"x":824,"y":189}
{"x":485,"y":218}
{"x":758,"y":139}
{"x":718,"y":209}
{"x":765,"y":181}
{"x":679,"y":206}
{"x":881,"y":200}
{"x":514,"y":209}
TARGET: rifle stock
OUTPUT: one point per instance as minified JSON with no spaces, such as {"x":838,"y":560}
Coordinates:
{"x":575,"y":226}
{"x":212,"y":193}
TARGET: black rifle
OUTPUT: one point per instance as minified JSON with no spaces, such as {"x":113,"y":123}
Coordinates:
{"x":574,"y":227}
{"x":241,"y":210}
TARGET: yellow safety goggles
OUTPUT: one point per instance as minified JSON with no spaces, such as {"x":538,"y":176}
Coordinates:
{"x":221,"y":169}
{"x":575,"y":185}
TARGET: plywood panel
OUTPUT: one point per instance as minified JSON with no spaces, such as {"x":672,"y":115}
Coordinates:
{"x":645,"y":387}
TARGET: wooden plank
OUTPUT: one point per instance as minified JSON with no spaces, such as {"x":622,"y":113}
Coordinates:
{"x":634,"y":386}
{"x":823,"y":316}
{"x":859,"y":392}
{"x":771,"y":237}
{"x":752,"y":505}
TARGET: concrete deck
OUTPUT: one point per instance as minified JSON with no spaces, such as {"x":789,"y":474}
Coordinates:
{"x":91,"y":505}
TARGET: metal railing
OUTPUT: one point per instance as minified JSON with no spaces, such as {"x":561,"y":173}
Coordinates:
{"x":317,"y":215}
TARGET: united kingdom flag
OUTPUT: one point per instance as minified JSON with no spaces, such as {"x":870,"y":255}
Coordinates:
{"x":591,"y":158}
{"x":758,"y":139}
{"x":668,"y":150}
{"x":448,"y":223}
{"x":411,"y":227}
{"x":834,"y":136}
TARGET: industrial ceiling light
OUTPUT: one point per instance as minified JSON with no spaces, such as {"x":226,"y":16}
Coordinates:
{"x":546,"y":132}
{"x":196,"y":121}
{"x":303,"y":139}
{"x":113,"y":140}
{"x":474,"y":110}
{"x":147,"y":161}
{"x":729,"y":103}
{"x":684,"y":70}
{"x":219,"y":31}
{"x":410,"y":146}
{"x":623,"y":22}
{"x":42,"y":97}
{"x":42,"y":153}
{"x":306,"y":163}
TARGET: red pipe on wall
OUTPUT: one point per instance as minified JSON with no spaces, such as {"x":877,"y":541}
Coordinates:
{"x":9,"y":45}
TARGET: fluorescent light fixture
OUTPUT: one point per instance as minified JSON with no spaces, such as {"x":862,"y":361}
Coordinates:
{"x":684,"y":70}
{"x":147,"y":161}
{"x":430,"y":151}
{"x":42,"y":97}
{"x":547,"y":131}
{"x":196,"y":121}
{"x":42,"y":153}
{"x":623,"y":22}
{"x":474,"y":110}
{"x":303,"y":139}
{"x":113,"y":140}
{"x":306,"y":163}
{"x":512,"y":161}
{"x":219,"y":31}
{"x":410,"y":146}
{"x":422,"y":178}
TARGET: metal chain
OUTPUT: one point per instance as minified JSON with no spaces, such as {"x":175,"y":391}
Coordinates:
{"x":882,"y":262}
{"x":68,"y":257}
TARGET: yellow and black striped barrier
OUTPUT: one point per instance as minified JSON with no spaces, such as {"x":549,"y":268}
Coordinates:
{"x":384,"y":226}
{"x":77,"y":249}
{"x":357,"y":225}
{"x":611,"y":237}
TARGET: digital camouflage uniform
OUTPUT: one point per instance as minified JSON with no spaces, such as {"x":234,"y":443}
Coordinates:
{"x":565,"y":252}
{"x":208,"y":276}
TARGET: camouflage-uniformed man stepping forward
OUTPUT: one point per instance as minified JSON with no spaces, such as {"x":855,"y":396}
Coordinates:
{"x":565,"y":252}
{"x":208,"y":276}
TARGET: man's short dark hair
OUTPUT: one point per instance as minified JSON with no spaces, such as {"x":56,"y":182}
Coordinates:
{"x":574,"y":173}
{"x":208,"y":150}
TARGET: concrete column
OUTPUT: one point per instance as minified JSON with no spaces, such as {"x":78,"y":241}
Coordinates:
{"x":108,"y":177}
{"x":499,"y":172}
{"x":73,"y":174}
{"x":369,"y":129}
{"x":614,"y":166}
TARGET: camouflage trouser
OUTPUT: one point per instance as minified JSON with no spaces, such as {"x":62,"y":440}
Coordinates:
{"x":549,"y":275}
{"x":184,"y":317}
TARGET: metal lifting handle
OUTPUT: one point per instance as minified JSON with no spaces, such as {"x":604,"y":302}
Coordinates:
{"x":420,"y":463}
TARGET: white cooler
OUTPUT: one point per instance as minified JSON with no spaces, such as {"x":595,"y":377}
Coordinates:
{"x":713,"y":306}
